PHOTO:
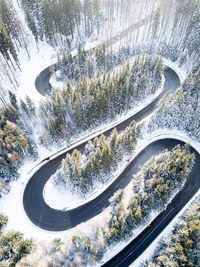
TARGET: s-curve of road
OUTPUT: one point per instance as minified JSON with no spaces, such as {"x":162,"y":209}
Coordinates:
{"x":58,"y":220}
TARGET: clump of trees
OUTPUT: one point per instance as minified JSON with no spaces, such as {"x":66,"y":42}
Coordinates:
{"x":14,"y":141}
{"x":182,"y":247}
{"x":13,"y":247}
{"x":12,"y":40}
{"x":180,"y":110}
{"x":3,"y":221}
{"x":87,"y":62}
{"x":81,"y":171}
{"x":9,"y":31}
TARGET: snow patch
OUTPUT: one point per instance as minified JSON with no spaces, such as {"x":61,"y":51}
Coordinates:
{"x":56,"y":81}
{"x":61,"y":199}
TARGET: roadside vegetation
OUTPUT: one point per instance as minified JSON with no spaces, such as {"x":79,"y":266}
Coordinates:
{"x":99,"y":100}
{"x":14,"y":141}
{"x":13,"y":247}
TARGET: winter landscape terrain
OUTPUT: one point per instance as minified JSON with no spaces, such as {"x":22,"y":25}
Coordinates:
{"x":99,"y":133}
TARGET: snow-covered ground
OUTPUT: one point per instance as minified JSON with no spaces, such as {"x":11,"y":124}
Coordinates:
{"x":40,"y":58}
{"x":60,"y":198}
{"x":180,"y":71}
{"x":38,"y":61}
{"x":56,"y":82}
{"x":42,"y":55}
{"x":12,"y":206}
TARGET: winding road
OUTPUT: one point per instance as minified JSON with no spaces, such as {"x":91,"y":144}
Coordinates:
{"x":57,"y":220}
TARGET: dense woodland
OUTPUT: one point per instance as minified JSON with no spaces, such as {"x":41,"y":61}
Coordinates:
{"x":68,"y":113}
{"x":177,"y":40}
{"x":128,"y":209}
{"x":181,"y":248}
{"x":81,"y":172}
{"x":152,"y":188}
{"x":59,"y":21}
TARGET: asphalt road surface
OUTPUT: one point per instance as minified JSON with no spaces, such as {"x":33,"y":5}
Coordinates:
{"x":57,"y":220}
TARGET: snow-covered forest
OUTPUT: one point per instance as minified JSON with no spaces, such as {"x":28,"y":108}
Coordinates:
{"x":149,"y":28}
{"x":69,"y":112}
{"x":99,"y":99}
{"x":111,"y":58}
{"x":13,"y":246}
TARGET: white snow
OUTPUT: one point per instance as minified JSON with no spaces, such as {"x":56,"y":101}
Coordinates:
{"x":31,"y":67}
{"x":12,"y":206}
{"x":180,"y":71}
{"x":59,"y":199}
{"x":56,"y":82}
